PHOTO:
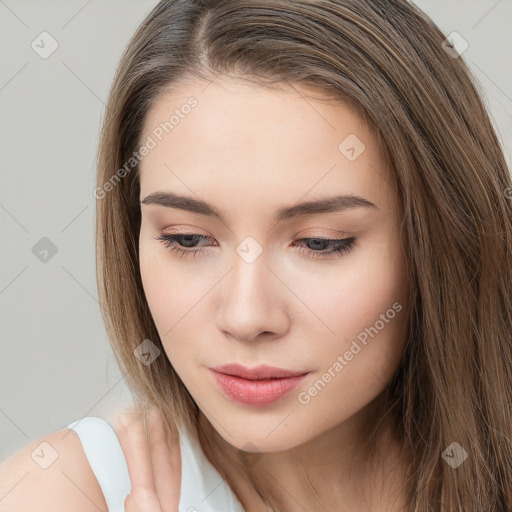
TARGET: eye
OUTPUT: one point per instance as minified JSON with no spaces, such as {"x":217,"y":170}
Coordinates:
{"x":171,"y":241}
{"x":341,"y":246}
{"x":176,"y":242}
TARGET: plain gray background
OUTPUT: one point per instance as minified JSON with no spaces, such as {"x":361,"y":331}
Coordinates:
{"x":56,"y":365}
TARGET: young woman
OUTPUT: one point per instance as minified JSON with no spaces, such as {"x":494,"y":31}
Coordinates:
{"x":304,"y":234}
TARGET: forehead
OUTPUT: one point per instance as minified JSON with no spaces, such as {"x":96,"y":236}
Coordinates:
{"x":240,"y":140}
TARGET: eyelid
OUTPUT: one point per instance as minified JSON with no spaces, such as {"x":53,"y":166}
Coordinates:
{"x":347,"y":245}
{"x":324,"y":233}
{"x":187,"y":230}
{"x":321,"y":232}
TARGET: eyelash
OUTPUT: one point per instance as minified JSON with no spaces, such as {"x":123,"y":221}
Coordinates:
{"x":345,"y":245}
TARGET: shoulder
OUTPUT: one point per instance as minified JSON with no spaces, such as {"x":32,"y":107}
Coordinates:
{"x":51,"y":473}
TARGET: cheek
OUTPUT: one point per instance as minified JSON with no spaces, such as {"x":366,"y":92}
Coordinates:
{"x":359,"y":289}
{"x":152,"y":271}
{"x":173,"y":293}
{"x":364,"y":304}
{"x":168,"y":286}
{"x":164,"y":290}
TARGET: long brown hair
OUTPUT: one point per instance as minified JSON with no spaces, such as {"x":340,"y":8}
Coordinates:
{"x":454,"y":383}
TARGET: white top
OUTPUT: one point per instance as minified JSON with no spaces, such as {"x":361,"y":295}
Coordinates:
{"x":202,"y":487}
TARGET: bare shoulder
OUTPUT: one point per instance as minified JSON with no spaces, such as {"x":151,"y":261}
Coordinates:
{"x":51,"y":474}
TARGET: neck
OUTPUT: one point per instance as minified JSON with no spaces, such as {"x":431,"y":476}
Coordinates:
{"x":353,"y":466}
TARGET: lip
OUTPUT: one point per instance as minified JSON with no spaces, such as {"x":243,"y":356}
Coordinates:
{"x":259,"y":372}
{"x":254,"y":391}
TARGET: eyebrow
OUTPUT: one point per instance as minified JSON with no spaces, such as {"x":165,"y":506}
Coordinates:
{"x":325,"y":205}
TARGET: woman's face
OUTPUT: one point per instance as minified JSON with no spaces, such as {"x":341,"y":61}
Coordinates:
{"x":255,"y":292}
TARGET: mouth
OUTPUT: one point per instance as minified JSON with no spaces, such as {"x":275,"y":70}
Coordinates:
{"x":257,"y":373}
{"x":257,"y":387}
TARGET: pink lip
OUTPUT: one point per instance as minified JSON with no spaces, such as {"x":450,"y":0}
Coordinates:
{"x":259,"y":372}
{"x":261,"y":391}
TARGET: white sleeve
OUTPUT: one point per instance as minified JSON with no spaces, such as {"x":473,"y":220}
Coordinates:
{"x":106,"y":459}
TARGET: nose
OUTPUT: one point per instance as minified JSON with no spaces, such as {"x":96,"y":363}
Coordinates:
{"x":253,"y":302}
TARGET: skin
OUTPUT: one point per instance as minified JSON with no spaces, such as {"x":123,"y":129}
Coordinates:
{"x":152,"y":455}
{"x":250,"y":151}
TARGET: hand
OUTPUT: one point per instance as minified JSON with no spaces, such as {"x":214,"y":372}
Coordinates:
{"x":154,"y":464}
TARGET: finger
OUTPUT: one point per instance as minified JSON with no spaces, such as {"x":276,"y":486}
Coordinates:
{"x":130,"y":505}
{"x":134,"y":444}
{"x":140,"y":500}
{"x":166,"y":462}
